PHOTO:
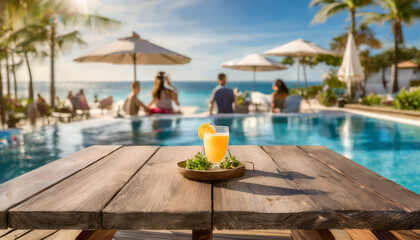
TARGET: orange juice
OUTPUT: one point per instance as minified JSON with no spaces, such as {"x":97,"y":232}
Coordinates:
{"x":215,"y":146}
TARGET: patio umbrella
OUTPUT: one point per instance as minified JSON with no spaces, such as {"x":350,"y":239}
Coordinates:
{"x":134,"y":50}
{"x":299,"y":48}
{"x":254,"y":63}
{"x":351,"y":70}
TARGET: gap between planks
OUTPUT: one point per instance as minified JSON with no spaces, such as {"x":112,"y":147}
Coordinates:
{"x":116,"y":193}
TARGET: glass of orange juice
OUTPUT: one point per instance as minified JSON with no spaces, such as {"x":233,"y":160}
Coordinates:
{"x":216,"y":144}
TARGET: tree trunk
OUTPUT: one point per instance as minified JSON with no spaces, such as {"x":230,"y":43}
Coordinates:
{"x":30,"y":87}
{"x":304,"y":75}
{"x":395,"y":86}
{"x":2,"y":109}
{"x":7,"y":71}
{"x":383,"y":78}
{"x":353,"y":21}
{"x":14,"y":76}
{"x":52,"y":58}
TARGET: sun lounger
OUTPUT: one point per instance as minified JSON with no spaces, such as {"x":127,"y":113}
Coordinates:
{"x":106,"y":103}
{"x":292,"y":104}
{"x":260,"y":102}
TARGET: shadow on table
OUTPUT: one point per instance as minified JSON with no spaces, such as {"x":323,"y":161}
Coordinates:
{"x":283,"y":175}
{"x":265,"y":190}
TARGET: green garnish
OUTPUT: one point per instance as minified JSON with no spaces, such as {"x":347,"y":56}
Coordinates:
{"x":199,"y":162}
{"x":230,"y":162}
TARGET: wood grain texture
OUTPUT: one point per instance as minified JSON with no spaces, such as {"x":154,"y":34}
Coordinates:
{"x":403,"y":197}
{"x":366,"y":234}
{"x":23,"y":187}
{"x":64,"y":235}
{"x":158,"y":197}
{"x":77,"y":202}
{"x":37,"y":234}
{"x":13,"y":235}
{"x":298,"y":234}
{"x":264,"y":199}
{"x":407,"y":234}
{"x":352,"y":205}
{"x":96,"y":235}
{"x":5,"y":231}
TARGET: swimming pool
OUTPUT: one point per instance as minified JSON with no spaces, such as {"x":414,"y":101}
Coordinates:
{"x":388,"y":148}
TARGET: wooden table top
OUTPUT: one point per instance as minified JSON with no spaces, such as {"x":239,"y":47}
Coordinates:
{"x":139,"y":187}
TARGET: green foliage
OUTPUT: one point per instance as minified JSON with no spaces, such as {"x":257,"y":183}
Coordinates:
{"x":328,"y":98}
{"x":332,"y":80}
{"x":307,"y":93}
{"x":241,"y":98}
{"x":372,"y":100}
{"x":15,"y":106}
{"x":198,"y":162}
{"x":408,"y":100}
{"x":230,"y":162}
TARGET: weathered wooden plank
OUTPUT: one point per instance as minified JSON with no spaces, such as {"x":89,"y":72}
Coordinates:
{"x":96,"y":235}
{"x":5,"y":231}
{"x":407,"y":234}
{"x":64,"y":235}
{"x":299,"y":234}
{"x":366,"y":234}
{"x":15,"y":234}
{"x":365,"y":177}
{"x":76,"y":202}
{"x":264,"y":199}
{"x":37,"y":234}
{"x":158,"y":197}
{"x":23,"y":187}
{"x":352,"y":204}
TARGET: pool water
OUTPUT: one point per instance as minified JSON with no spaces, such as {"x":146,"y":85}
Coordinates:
{"x":388,"y":148}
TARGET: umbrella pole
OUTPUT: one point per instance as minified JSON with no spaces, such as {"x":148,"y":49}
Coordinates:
{"x":135,"y":70}
{"x":253,"y":82}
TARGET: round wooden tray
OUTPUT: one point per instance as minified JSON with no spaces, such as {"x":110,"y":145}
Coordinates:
{"x":216,"y":174}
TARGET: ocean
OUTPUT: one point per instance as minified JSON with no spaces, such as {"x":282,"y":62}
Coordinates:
{"x":191,"y":93}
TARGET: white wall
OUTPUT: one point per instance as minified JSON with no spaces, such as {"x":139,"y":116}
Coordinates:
{"x":374,"y":82}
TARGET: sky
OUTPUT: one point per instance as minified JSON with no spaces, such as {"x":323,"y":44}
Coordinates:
{"x":208,"y":31}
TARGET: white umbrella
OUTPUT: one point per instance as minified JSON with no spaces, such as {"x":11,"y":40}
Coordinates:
{"x":134,"y":50}
{"x":351,"y":70}
{"x":299,"y":48}
{"x":254,"y":63}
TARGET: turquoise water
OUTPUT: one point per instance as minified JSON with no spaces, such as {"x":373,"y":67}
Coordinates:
{"x":191,"y":93}
{"x":388,"y":148}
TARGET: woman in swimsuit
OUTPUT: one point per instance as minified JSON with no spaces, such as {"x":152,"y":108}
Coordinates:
{"x":162,"y":97}
{"x":279,"y":96}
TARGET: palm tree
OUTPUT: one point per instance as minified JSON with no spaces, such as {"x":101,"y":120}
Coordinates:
{"x":397,"y":13}
{"x":56,"y":12}
{"x":331,"y":7}
{"x":362,"y":36}
{"x":27,"y":39}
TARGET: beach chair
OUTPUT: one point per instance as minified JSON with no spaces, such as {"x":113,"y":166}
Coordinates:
{"x":292,"y":104}
{"x":78,"y":109}
{"x":106,"y":103}
{"x":260,"y":102}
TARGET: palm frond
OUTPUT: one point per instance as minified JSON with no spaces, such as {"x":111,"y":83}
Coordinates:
{"x":66,"y":40}
{"x":327,"y":11}
{"x":95,"y":21}
{"x":373,"y":18}
{"x":320,"y":2}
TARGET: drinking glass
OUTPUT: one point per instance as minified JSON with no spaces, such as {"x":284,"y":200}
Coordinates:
{"x":216,"y":144}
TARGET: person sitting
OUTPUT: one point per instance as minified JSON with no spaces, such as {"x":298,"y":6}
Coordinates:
{"x":82,"y":100}
{"x":279,"y":96}
{"x":132,"y":104}
{"x":42,"y":106}
{"x":223,"y":96}
{"x":162,"y":97}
